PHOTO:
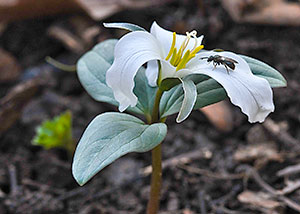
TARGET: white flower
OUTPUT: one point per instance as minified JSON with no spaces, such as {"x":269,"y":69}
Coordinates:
{"x":179,"y":56}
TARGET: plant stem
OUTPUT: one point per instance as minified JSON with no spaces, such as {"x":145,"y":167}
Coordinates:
{"x":153,"y":203}
{"x":155,"y":112}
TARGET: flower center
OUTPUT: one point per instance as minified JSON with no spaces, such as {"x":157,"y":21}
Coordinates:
{"x":177,"y":58}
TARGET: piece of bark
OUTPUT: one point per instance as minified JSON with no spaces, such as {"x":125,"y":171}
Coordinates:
{"x":9,"y":68}
{"x":272,"y":12}
{"x":220,"y":115}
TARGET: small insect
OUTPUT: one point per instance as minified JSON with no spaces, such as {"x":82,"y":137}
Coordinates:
{"x":221,"y":60}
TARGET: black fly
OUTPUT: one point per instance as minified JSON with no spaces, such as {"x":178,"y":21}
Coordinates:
{"x":221,"y":60}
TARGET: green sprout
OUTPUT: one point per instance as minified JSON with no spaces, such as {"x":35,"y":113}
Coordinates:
{"x":56,"y":133}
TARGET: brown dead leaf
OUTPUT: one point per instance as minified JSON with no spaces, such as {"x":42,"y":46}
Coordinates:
{"x":9,"y":67}
{"x":12,"y":104}
{"x":273,"y":12}
{"x":187,"y":211}
{"x":19,"y":9}
{"x":220,"y":115}
{"x":261,"y":200}
{"x":99,"y":10}
{"x":261,"y":153}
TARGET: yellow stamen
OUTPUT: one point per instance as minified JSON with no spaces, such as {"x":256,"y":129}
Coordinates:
{"x":174,"y":56}
{"x":183,"y":61}
{"x":178,"y":59}
{"x":172,"y":46}
{"x":194,"y":35}
{"x":182,"y":48}
{"x":197,"y":49}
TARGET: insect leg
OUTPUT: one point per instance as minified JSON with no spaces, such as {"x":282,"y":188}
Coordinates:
{"x":215,"y":65}
{"x":226,"y":68}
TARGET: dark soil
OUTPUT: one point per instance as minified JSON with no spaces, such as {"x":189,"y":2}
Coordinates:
{"x":33,"y":180}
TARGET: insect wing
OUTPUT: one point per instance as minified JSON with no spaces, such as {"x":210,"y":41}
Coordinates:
{"x":229,"y":64}
{"x":230,"y":60}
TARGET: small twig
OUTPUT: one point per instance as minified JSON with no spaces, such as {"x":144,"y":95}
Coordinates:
{"x":42,"y":187}
{"x":290,"y":170}
{"x":202,"y":202}
{"x":144,"y":172}
{"x":14,"y":188}
{"x":291,"y":187}
{"x":225,"y":210}
{"x":210,"y":174}
{"x":254,"y":174}
{"x":180,"y":159}
{"x":61,"y":66}
{"x":73,"y":193}
{"x":281,"y":135}
{"x":223,"y":199}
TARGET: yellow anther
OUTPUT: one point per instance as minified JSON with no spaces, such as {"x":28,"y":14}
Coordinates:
{"x":172,"y":46}
{"x":197,"y":49}
{"x":183,"y":47}
{"x":178,"y":59}
{"x":174,"y":56}
{"x":183,"y":61}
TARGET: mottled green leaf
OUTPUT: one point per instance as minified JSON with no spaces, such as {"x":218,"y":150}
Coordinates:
{"x":265,"y":71}
{"x":110,"y":136}
{"x":91,"y":70}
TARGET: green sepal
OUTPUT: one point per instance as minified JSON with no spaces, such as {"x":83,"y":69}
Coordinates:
{"x":168,"y":83}
{"x":189,"y":100}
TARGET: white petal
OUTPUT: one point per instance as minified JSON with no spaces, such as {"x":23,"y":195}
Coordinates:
{"x":131,"y":52}
{"x":165,"y":37}
{"x":251,"y":93}
{"x":152,"y":72}
{"x":167,"y":69}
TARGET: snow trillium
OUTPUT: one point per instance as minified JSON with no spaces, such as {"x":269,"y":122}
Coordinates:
{"x":169,"y":55}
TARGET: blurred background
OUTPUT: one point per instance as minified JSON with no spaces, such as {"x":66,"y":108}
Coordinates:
{"x":215,"y":162}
